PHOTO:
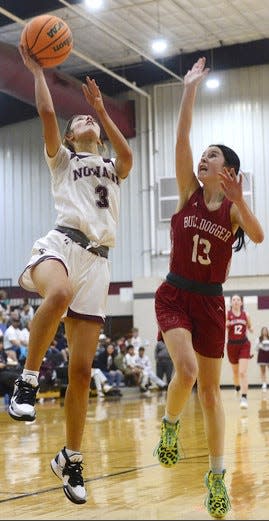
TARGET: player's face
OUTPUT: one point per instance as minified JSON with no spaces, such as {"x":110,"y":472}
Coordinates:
{"x":236,"y":301}
{"x":212,"y":162}
{"x":85,"y":125}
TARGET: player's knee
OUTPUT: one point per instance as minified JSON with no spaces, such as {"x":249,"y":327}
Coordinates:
{"x":60,"y":298}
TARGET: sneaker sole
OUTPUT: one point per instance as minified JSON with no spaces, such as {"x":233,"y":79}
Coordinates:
{"x":54,"y":470}
{"x":23,"y":418}
{"x":216,"y":516}
{"x":54,"y":467}
{"x":164,"y":465}
{"x":71,"y":498}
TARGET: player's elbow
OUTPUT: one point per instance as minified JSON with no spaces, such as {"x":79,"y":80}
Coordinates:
{"x":259,"y":237}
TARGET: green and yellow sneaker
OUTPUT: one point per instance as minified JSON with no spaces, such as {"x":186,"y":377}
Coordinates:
{"x":217,"y":500}
{"x":167,"y":449}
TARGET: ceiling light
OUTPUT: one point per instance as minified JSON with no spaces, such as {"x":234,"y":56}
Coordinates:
{"x":94,"y":4}
{"x":213,"y":83}
{"x":159,"y":45}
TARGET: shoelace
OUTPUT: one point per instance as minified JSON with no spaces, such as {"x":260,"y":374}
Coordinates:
{"x":25,"y":393}
{"x":74,"y":470}
{"x":217,"y":486}
{"x":170,"y":435}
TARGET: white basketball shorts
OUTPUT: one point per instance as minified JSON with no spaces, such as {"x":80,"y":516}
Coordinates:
{"x":89,"y":274}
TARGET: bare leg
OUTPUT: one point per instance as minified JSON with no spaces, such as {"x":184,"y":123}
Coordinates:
{"x":82,"y":337}
{"x":211,"y":402}
{"x":263,"y":373}
{"x":179,"y":345}
{"x":236,"y":379}
{"x":52,"y":283}
{"x":243,"y":375}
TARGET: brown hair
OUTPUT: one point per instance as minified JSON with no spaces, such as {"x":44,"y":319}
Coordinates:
{"x":67,"y":131}
{"x":232,"y":160}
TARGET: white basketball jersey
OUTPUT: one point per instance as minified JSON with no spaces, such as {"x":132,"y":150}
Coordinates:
{"x":86,"y":192}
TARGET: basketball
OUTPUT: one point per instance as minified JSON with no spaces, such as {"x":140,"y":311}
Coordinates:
{"x":48,"y":39}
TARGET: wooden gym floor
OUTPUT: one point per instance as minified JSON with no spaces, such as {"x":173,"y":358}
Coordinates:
{"x":123,"y":479}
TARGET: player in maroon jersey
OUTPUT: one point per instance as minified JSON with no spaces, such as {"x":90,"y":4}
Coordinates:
{"x":238,"y":346}
{"x":210,"y":220}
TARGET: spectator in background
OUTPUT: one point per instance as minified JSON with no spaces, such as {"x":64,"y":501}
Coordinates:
{"x":120,"y":344}
{"x":27,"y":312}
{"x":134,"y":372}
{"x":48,"y":370}
{"x":262,"y":346}
{"x":238,"y":346}
{"x":4,"y":302}
{"x":164,"y":364}
{"x":135,"y":340}
{"x":61,"y":342}
{"x":13,"y":340}
{"x":14,"y":313}
{"x":3,"y":321}
{"x":25,"y":333}
{"x":101,"y":383}
{"x":105,"y":361}
{"x":148,"y":376}
{"x":120,"y":360}
{"x":8,"y":374}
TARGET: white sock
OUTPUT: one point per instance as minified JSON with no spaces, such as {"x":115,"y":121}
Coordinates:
{"x":76,"y":453}
{"x":170,"y":418}
{"x":216,"y":464}
{"x":69,"y":452}
{"x":31,"y":377}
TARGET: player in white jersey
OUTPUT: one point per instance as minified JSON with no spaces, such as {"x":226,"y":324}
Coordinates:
{"x":69,"y":267}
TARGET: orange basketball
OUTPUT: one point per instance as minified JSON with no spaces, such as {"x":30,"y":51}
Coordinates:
{"x":48,"y":39}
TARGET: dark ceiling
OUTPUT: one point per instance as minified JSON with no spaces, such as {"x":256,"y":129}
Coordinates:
{"x":143,"y":73}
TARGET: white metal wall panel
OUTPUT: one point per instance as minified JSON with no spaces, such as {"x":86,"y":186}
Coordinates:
{"x":26,"y":207}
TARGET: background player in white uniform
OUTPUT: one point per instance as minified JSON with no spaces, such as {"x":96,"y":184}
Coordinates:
{"x":69,"y":267}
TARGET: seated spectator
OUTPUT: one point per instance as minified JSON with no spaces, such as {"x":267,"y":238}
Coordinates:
{"x":105,"y":362}
{"x":13,"y":314}
{"x":61,"y":342}
{"x":27,"y":312}
{"x":8,"y":374}
{"x":13,"y":339}
{"x":4,"y":302}
{"x":101,"y":384}
{"x":131,"y":375}
{"x":48,"y":370}
{"x":120,"y":361}
{"x":133,"y":371}
{"x":25,"y":333}
{"x":3,"y":322}
{"x":134,"y":340}
{"x":164,"y":363}
{"x":142,"y":360}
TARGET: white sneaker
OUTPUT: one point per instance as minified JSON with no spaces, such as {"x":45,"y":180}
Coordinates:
{"x":106,"y":388}
{"x":264,"y":387}
{"x":69,"y":469}
{"x":22,"y":403}
{"x":243,"y":403}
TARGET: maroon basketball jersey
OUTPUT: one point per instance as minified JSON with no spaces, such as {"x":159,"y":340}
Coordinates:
{"x":201,"y":240}
{"x":237,"y":330}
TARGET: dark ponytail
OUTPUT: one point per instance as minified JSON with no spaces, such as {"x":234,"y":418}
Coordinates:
{"x":232,"y":160}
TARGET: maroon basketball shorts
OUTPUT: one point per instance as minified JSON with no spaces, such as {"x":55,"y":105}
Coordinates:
{"x":202,"y":315}
{"x":236,"y":351}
